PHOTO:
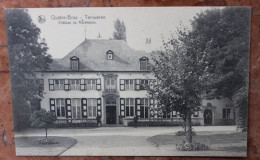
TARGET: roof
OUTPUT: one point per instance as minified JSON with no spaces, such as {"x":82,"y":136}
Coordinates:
{"x":92,"y":57}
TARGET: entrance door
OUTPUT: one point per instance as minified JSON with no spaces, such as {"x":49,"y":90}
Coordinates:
{"x":207,"y":117}
{"x":111,"y":114}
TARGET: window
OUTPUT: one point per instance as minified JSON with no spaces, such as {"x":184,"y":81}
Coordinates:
{"x":226,"y":113}
{"x":196,"y":114}
{"x":166,"y":114}
{"x":109,"y":55}
{"x":174,"y":114}
{"x":92,"y":108}
{"x":129,"y":107}
{"x":143,"y":63}
{"x":144,"y":108}
{"x":110,"y":85}
{"x":75,"y":84}
{"x":91,"y":84}
{"x":59,"y":84}
{"x":76,"y":108}
{"x":74,"y":63}
{"x":60,"y":108}
{"x":143,"y":84}
{"x":129,"y":84}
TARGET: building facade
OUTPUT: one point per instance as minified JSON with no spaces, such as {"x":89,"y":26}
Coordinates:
{"x":108,"y":78}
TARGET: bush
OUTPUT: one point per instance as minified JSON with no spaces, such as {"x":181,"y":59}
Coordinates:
{"x":156,"y":123}
{"x":196,"y":123}
{"x":194,"y":146}
{"x":182,"y":133}
{"x":45,"y":141}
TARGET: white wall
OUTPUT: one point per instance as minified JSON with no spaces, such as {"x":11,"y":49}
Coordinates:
{"x":219,"y":104}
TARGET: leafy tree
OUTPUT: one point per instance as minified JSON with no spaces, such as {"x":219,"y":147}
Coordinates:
{"x":42,"y":119}
{"x":120,"y":30}
{"x":228,"y":31}
{"x":180,"y":77}
{"x":27,"y":53}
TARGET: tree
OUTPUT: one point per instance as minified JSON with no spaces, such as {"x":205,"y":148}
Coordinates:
{"x":120,"y":30}
{"x":43,"y":119}
{"x":228,"y":30}
{"x":27,"y":53}
{"x":179,"y":71}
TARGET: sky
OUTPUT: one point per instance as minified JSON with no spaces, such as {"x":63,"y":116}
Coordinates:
{"x":63,"y":31}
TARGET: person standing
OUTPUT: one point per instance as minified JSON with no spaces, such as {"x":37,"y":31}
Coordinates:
{"x":98,"y":120}
{"x":135,"y":120}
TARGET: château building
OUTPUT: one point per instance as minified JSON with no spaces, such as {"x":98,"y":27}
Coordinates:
{"x":108,"y":78}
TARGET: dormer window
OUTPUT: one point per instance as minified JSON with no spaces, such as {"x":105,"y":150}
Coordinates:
{"x":74,"y":63}
{"x":144,"y":64}
{"x":110,"y":55}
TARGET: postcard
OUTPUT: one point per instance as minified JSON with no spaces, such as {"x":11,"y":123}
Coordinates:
{"x":130,"y":81}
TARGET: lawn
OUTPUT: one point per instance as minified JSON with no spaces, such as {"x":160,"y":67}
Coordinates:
{"x":65,"y":142}
{"x":234,"y":142}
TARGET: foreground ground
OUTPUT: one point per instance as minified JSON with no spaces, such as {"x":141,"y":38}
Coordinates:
{"x":128,"y":141}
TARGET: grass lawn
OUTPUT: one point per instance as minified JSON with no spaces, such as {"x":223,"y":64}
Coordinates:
{"x":66,"y":142}
{"x":234,"y":142}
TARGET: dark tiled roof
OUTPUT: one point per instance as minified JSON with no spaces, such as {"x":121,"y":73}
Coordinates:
{"x":92,"y":57}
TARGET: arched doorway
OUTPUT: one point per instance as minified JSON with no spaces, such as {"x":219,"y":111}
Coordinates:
{"x":207,"y":117}
{"x":111,"y":110}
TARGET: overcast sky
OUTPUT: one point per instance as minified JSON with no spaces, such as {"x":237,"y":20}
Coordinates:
{"x":141,"y":23}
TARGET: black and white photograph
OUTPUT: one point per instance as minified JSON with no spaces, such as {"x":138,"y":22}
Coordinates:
{"x":130,"y":81}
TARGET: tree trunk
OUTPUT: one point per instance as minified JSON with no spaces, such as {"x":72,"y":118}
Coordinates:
{"x":185,"y":124}
{"x":46,"y":132}
{"x":188,"y":137}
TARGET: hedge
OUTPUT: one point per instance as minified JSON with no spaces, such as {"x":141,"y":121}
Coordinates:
{"x":74,"y":125}
{"x":160,"y":123}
